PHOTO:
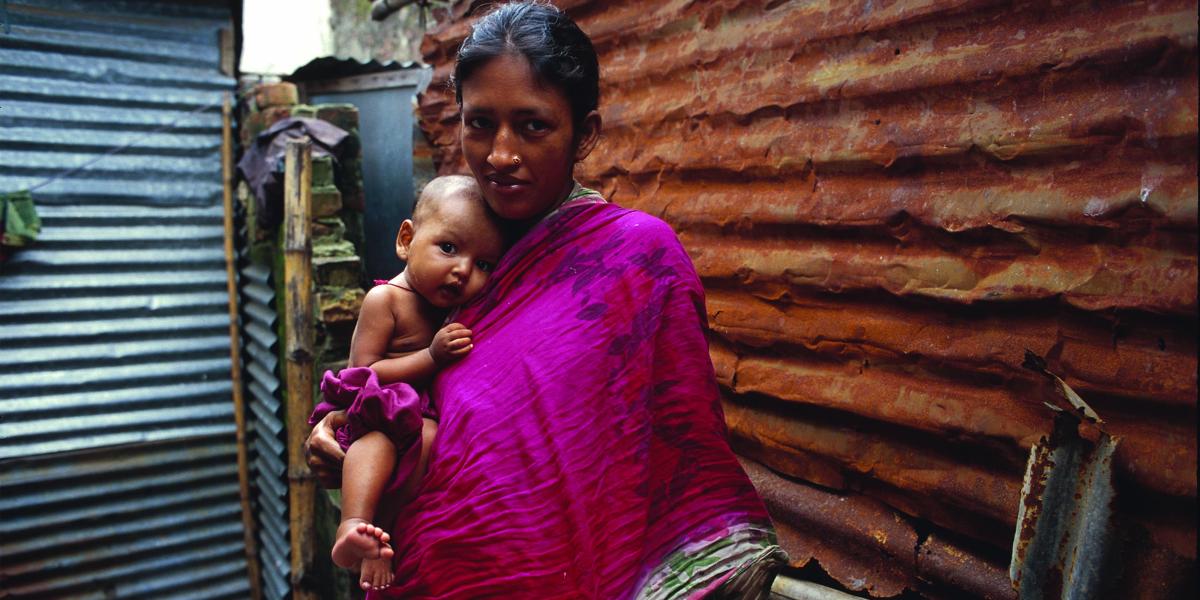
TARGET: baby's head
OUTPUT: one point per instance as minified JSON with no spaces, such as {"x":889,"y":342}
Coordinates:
{"x":451,"y":243}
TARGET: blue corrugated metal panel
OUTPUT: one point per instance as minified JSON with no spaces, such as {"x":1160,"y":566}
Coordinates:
{"x":82,"y":525}
{"x":117,"y":455}
{"x":259,"y":320}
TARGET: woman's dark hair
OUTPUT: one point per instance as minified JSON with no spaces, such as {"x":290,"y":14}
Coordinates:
{"x":559,"y":52}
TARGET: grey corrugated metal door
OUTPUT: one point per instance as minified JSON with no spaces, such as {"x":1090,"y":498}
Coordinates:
{"x":117,"y":455}
{"x":266,"y":424}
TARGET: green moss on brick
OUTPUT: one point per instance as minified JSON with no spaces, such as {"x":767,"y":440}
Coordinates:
{"x":326,"y":201}
{"x":322,"y":171}
{"x":344,"y":116}
{"x":304,"y":111}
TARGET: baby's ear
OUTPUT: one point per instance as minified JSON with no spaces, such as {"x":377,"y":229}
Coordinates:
{"x":404,"y":239}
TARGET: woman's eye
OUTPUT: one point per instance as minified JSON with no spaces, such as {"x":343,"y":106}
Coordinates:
{"x":447,"y":247}
{"x":536,"y":126}
{"x":484,"y":266}
{"x":478,"y":123}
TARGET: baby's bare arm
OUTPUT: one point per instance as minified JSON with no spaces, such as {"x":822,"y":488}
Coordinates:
{"x":378,"y":324}
{"x":374,"y":330}
{"x":416,"y":368}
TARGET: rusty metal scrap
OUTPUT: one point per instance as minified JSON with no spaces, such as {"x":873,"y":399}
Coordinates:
{"x":845,"y":532}
{"x":1065,"y":531}
{"x":841,"y":532}
{"x":951,"y":567}
{"x":888,"y":203}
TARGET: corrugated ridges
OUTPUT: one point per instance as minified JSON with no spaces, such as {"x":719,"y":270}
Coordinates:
{"x":269,"y":452}
{"x":114,"y":330}
{"x":133,"y":520}
{"x":889,"y":203}
{"x":117,"y":455}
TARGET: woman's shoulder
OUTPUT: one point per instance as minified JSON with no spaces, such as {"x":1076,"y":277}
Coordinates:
{"x":651,"y":243}
{"x":647,"y":226}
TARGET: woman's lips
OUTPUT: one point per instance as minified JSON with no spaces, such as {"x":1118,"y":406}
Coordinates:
{"x":507,"y":185}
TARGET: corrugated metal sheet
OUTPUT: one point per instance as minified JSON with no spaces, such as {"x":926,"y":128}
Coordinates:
{"x":116,"y":430}
{"x":889,"y":202}
{"x":134,"y":521}
{"x":268,"y":443}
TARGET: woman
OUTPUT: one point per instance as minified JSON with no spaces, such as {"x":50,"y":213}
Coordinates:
{"x":581,"y":451}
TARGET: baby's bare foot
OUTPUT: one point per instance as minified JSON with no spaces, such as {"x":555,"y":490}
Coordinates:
{"x":376,"y":573}
{"x":358,"y":540}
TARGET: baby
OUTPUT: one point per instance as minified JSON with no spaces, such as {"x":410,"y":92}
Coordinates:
{"x":450,"y":246}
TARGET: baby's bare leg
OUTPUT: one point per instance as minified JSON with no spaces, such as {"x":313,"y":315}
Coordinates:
{"x":368,"y":465}
{"x":376,"y":573}
{"x":408,"y":491}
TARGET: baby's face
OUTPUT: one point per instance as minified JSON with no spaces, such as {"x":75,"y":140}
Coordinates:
{"x":454,"y":248}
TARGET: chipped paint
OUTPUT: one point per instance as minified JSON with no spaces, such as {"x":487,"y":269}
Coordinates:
{"x":1065,"y":531}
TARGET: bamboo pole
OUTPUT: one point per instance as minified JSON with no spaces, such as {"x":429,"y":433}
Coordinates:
{"x":235,"y":352}
{"x":298,"y":300}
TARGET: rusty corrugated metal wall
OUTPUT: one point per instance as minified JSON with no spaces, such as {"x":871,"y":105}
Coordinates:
{"x":889,"y":202}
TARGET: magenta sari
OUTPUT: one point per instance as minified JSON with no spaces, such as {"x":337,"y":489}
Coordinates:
{"x":582,"y":442}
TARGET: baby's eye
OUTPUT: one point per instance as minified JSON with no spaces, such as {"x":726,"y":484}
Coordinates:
{"x":448,"y":247}
{"x":484,"y":266}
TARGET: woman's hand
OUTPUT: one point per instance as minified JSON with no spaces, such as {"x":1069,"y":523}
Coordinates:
{"x":450,"y":343}
{"x":322,"y":452}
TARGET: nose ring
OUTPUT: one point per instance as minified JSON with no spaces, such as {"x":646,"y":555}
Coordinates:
{"x":517,"y":160}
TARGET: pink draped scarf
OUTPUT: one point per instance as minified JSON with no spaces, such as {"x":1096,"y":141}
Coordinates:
{"x":582,"y":440}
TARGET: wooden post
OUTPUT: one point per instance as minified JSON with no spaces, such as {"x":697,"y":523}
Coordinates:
{"x":298,"y":300}
{"x":235,"y":352}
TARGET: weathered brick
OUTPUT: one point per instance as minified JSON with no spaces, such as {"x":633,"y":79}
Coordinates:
{"x":322,"y":171}
{"x":339,"y":305}
{"x":337,"y":271}
{"x":341,"y":115}
{"x":328,"y":230}
{"x":275,"y":94}
{"x":349,"y":181}
{"x":331,"y":339}
{"x":259,"y":122}
{"x":354,"y":227}
{"x":328,"y":248}
{"x":337,"y":312}
{"x":305,"y":111}
{"x":326,"y":201}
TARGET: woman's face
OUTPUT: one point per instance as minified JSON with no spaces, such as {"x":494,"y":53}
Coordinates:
{"x":519,"y":140}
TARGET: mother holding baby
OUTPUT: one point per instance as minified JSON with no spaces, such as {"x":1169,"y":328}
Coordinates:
{"x":581,"y":451}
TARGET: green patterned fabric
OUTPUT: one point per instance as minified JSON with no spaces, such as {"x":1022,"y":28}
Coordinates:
{"x":19,"y":219}
{"x":579,"y":191}
{"x":739,"y":564}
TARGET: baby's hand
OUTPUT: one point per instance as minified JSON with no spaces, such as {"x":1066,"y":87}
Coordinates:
{"x":450,"y":343}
